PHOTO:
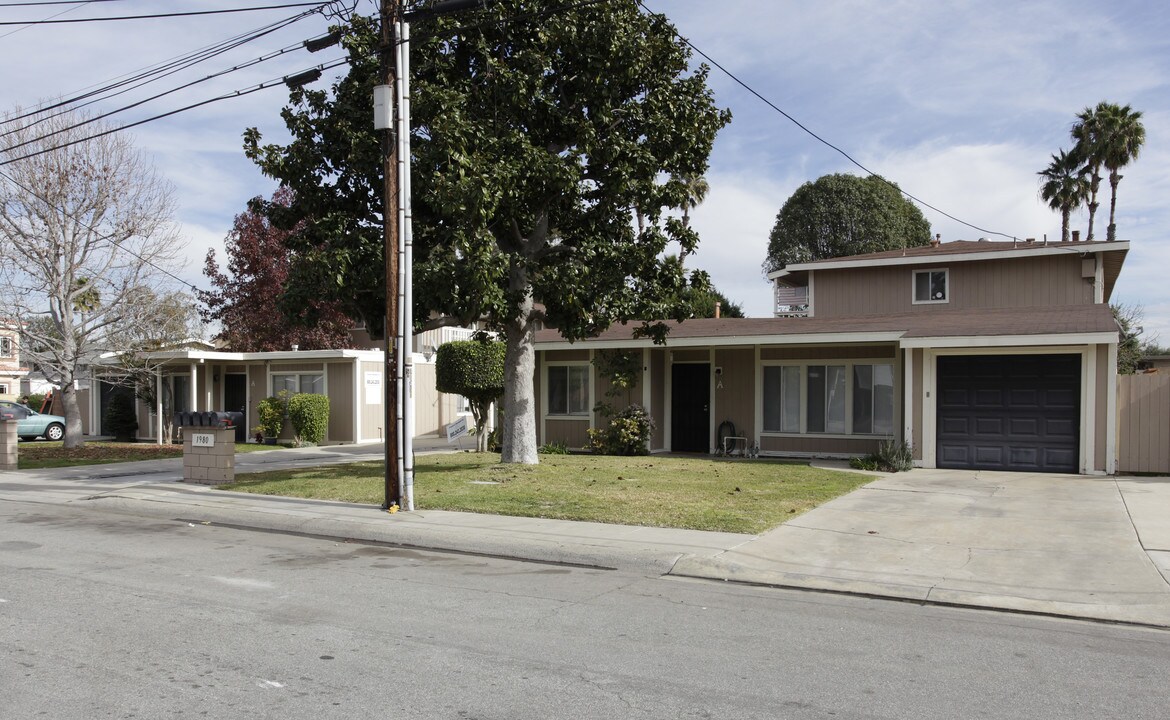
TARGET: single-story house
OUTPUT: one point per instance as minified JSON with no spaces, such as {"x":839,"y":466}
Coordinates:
{"x":984,"y":355}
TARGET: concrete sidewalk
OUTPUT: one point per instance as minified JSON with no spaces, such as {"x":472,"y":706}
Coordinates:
{"x":1063,"y":545}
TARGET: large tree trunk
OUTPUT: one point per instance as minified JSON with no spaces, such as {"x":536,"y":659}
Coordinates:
{"x":1064,"y":217}
{"x":73,"y":433}
{"x":519,"y":431}
{"x":1094,"y":186}
{"x":1111,"y":231}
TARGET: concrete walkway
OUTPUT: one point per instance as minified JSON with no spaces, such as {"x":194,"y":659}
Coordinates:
{"x":1072,"y":546}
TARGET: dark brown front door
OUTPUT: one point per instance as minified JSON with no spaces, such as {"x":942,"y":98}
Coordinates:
{"x":690,"y":407}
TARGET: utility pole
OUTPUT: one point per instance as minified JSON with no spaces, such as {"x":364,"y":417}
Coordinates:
{"x":389,"y":14}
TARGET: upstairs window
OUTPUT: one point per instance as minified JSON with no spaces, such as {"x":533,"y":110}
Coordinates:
{"x":5,"y":347}
{"x":931,"y":286}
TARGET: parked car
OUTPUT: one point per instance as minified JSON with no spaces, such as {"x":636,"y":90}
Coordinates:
{"x":30,"y":423}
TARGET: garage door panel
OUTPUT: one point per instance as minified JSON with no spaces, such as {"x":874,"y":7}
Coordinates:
{"x":1018,"y":412}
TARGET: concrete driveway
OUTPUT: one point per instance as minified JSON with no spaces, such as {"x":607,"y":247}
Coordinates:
{"x":1068,"y":545}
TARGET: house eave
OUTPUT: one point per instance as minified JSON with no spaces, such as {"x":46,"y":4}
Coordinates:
{"x":730,"y":341}
{"x":1096,"y":338}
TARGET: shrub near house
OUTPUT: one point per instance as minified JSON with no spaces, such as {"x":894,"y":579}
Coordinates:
{"x":309,"y":414}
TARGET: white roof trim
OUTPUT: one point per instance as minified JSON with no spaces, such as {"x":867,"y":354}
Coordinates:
{"x":1101,"y":338}
{"x":1022,"y":249}
{"x":729,"y":341}
{"x":280,"y":355}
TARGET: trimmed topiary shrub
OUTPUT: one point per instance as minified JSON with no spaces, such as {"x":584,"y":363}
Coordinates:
{"x":475,"y":370}
{"x":309,"y":415}
{"x":121,"y":416}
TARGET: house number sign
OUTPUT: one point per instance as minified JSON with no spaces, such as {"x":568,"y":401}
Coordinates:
{"x":203,"y":440}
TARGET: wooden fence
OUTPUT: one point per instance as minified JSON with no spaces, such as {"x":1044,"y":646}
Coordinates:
{"x":1143,"y":423}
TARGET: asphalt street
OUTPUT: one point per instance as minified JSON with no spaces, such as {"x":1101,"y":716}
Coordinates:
{"x":111,"y":616}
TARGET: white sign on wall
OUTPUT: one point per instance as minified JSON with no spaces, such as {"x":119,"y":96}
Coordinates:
{"x":202,"y":440}
{"x":373,"y":388}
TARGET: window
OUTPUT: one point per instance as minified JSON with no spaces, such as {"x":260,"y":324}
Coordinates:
{"x":826,"y":399}
{"x":846,"y":399}
{"x":295,"y":383}
{"x":181,"y":389}
{"x":5,"y":347}
{"x":873,"y":399}
{"x":568,"y":390}
{"x":3,"y":388}
{"x":930,"y":286}
{"x":462,"y":405}
{"x":782,"y":399}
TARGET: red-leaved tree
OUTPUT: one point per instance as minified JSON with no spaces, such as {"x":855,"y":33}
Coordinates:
{"x":246,"y":299}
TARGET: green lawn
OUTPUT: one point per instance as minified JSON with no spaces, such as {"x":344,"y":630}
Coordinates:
{"x":37,"y":454}
{"x":747,"y":496}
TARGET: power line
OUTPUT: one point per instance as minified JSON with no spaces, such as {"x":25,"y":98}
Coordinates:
{"x":163,"y":15}
{"x":151,"y":73}
{"x":57,"y":2}
{"x":227,"y":96}
{"x":820,"y":139}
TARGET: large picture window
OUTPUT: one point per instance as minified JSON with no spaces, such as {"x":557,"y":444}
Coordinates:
{"x":568,"y":390}
{"x":873,"y":399}
{"x":826,"y":399}
{"x":782,"y":399}
{"x":846,"y":399}
{"x":298,"y":383}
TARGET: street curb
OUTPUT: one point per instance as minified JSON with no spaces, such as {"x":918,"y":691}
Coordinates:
{"x":716,"y":570}
{"x":401,"y":530}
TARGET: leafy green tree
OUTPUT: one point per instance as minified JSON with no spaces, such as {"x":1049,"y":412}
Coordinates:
{"x":843,"y":214}
{"x":475,"y":370}
{"x":536,"y":143}
{"x":1129,"y":348}
{"x":703,"y":304}
{"x":1063,"y":188}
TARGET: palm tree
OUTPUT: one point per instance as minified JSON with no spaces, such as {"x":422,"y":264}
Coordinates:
{"x":697,"y":188}
{"x":1064,"y":188}
{"x":1089,"y":133}
{"x":1123,"y":140}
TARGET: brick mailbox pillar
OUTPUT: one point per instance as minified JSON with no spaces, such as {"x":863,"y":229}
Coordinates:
{"x":8,"y":453}
{"x":209,"y":455}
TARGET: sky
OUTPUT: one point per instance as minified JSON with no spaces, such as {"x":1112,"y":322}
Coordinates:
{"x":960,"y":103}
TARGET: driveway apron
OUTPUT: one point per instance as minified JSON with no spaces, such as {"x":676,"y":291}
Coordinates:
{"x":1068,"y":545}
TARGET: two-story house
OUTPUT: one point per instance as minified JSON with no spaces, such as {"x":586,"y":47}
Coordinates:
{"x":988,"y":355}
{"x":11,"y":371}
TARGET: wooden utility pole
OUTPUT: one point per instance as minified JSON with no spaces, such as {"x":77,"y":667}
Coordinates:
{"x":389,"y":14}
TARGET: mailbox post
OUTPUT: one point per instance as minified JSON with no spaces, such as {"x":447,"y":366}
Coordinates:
{"x":209,"y":447}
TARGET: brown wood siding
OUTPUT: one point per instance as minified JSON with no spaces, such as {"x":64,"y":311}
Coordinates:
{"x":573,"y":433}
{"x":566,"y":355}
{"x":736,"y":400}
{"x":691,"y":355}
{"x":257,"y":391}
{"x":1143,"y":423}
{"x":1101,"y":429}
{"x":339,"y":384}
{"x":917,"y":375}
{"x":835,"y":352}
{"x":373,"y":416}
{"x":658,"y":397}
{"x":426,"y":400}
{"x":278,"y":368}
{"x":809,"y":444}
{"x":235,"y":368}
{"x":1019,"y":282}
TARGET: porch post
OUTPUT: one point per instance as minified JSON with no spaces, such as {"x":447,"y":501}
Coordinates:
{"x":158,"y":405}
{"x":908,"y":399}
{"x":193,"y":392}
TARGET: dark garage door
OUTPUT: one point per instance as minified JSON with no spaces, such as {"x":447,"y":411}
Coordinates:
{"x":1009,"y":412}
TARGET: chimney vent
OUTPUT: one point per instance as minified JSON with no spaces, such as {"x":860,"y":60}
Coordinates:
{"x":1076,"y":235}
{"x":937,"y":241}
{"x":296,"y":347}
{"x":718,"y":305}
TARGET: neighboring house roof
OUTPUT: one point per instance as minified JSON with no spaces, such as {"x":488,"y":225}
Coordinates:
{"x":962,"y":251}
{"x":997,"y":326}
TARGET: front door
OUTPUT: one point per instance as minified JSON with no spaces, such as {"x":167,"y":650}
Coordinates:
{"x":690,"y":407}
{"x":235,"y":399}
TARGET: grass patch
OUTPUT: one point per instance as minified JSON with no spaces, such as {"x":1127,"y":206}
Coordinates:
{"x":697,"y":493}
{"x":38,"y":455}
